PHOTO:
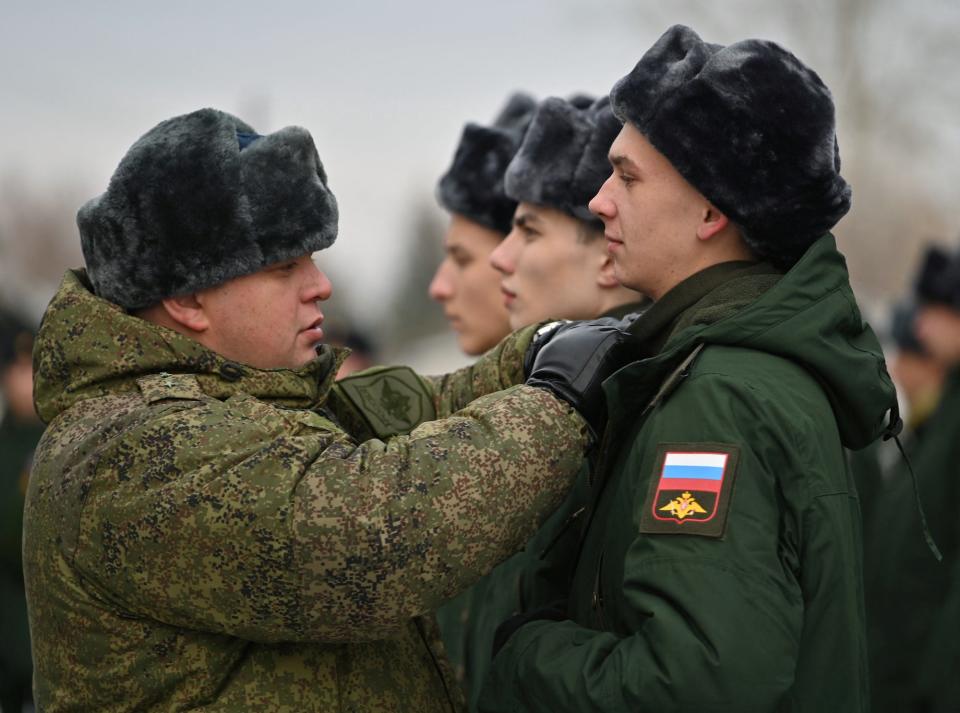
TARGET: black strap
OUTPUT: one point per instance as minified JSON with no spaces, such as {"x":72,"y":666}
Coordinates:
{"x":893,"y":431}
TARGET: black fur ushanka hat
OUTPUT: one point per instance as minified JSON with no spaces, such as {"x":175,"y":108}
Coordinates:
{"x":938,"y":278}
{"x":201,"y":199}
{"x":750,"y":127}
{"x":473,"y":185}
{"x":562,"y":161}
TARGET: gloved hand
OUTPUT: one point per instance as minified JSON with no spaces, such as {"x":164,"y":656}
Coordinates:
{"x":575,"y":361}
{"x":554,"y":611}
{"x":540,"y":338}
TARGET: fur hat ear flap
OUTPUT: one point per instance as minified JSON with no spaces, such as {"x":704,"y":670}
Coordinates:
{"x":563,"y":159}
{"x":473,"y":185}
{"x":201,"y":199}
{"x":751,"y":127}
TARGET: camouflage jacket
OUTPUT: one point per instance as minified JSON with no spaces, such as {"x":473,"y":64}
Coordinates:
{"x":202,"y":535}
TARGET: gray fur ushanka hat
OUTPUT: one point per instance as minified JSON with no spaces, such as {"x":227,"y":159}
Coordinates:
{"x":201,"y":199}
{"x":473,"y":185}
{"x":750,"y":127}
{"x":562,"y":161}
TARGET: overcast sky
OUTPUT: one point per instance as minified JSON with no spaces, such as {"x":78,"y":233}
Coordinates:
{"x":384,"y":87}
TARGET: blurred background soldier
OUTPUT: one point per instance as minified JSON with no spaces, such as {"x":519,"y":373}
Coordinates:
{"x":480,"y":216}
{"x":363,"y":352}
{"x":908,"y":592}
{"x":20,"y":429}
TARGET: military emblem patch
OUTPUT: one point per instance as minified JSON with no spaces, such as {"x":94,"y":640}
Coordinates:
{"x":690,"y":489}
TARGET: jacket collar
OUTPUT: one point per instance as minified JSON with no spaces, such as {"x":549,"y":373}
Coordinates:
{"x":89,"y":347}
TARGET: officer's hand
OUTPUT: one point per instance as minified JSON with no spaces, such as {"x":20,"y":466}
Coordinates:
{"x":554,"y":611}
{"x":540,"y":338}
{"x":576,"y":360}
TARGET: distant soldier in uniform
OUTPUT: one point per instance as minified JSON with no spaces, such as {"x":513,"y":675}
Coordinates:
{"x":480,"y":216}
{"x":211,"y":523}
{"x":719,"y":568}
{"x":909,"y":594}
{"x":20,"y":429}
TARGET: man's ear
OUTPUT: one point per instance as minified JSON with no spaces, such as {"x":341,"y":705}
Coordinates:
{"x":606,"y":279}
{"x":712,"y":222}
{"x":187,"y":311}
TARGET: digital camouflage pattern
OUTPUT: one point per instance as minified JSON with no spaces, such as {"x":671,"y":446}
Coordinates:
{"x":203,"y":535}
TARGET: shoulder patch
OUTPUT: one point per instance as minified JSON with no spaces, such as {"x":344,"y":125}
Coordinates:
{"x":392,"y":400}
{"x":690,"y":490}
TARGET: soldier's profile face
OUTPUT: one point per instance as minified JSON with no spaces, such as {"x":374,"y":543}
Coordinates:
{"x":547,"y":267}
{"x":650,"y":215}
{"x":270,"y":319}
{"x":469,"y":288}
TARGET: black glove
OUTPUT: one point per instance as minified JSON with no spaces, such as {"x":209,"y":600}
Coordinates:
{"x":554,"y":611}
{"x":540,"y":338}
{"x":575,"y":361}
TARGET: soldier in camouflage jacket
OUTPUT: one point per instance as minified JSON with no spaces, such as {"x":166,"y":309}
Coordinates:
{"x":222,"y":528}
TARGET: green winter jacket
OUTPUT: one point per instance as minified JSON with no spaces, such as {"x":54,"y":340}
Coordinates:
{"x":202,"y":535}
{"x":908,"y":591}
{"x":721,"y":566}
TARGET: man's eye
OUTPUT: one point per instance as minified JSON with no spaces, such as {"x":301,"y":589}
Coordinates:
{"x":626,"y":179}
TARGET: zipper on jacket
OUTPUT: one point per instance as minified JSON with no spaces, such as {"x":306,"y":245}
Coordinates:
{"x":563,"y":528}
{"x":673,"y":380}
{"x":597,"y":598}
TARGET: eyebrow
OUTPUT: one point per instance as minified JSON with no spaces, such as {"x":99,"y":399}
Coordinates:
{"x":621,"y":161}
{"x":525,"y":219}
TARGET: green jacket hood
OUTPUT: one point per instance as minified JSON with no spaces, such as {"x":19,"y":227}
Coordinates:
{"x":89,"y":347}
{"x":810,"y":317}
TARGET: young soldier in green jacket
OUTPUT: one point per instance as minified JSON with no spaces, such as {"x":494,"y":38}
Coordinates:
{"x":719,"y":564}
{"x":212,"y":524}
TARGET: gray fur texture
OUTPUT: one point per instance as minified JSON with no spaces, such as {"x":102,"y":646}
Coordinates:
{"x":187,"y":209}
{"x":751,"y":127}
{"x":562,"y":161}
{"x":473,"y":185}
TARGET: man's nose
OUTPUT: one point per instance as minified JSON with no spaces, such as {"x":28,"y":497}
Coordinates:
{"x":441,"y":286}
{"x":318,"y":286}
{"x":600,"y":205}
{"x":503,"y":257}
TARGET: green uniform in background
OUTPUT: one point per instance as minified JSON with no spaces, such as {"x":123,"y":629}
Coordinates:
{"x":17,"y":441}
{"x":720,"y":569}
{"x":203,"y":535}
{"x":908,"y":591}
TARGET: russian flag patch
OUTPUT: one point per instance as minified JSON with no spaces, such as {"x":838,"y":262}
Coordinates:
{"x":691,"y":488}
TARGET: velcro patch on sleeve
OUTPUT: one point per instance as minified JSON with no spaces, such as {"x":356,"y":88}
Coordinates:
{"x":392,"y":400}
{"x":691,"y":489}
